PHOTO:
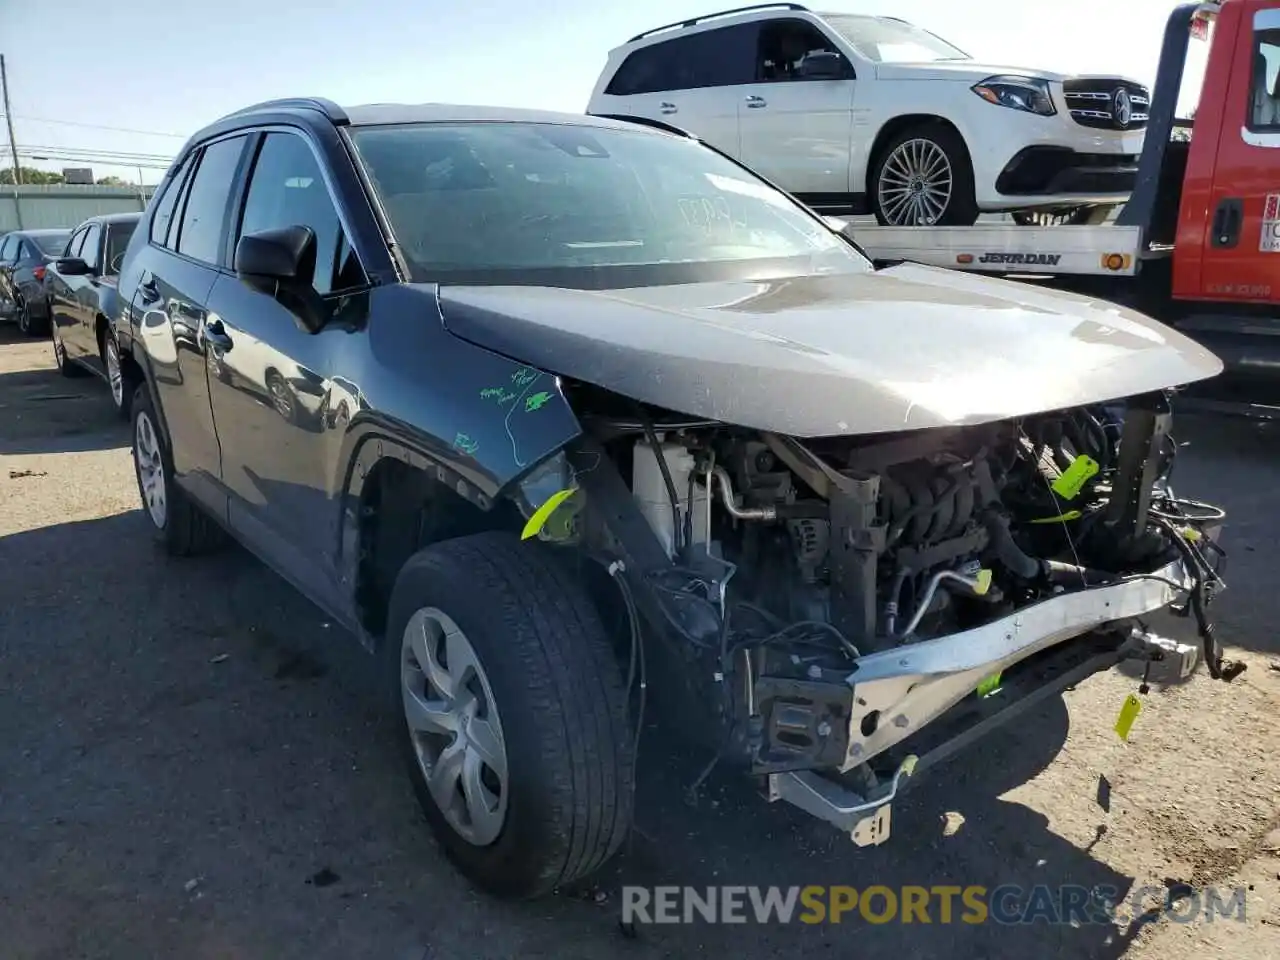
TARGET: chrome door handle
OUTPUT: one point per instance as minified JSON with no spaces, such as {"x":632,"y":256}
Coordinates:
{"x":665,"y":107}
{"x":755,"y":102}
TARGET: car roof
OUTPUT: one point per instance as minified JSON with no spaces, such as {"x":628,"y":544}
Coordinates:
{"x":131,"y":217}
{"x":374,"y":114}
{"x":38,"y":232}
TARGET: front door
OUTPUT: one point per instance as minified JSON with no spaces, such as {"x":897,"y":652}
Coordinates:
{"x":796,"y":131}
{"x":1241,"y":252}
{"x":79,"y":335}
{"x":269,"y":377}
{"x":64,"y":298}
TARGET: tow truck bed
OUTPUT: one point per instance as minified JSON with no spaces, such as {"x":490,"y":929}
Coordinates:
{"x":1107,"y":249}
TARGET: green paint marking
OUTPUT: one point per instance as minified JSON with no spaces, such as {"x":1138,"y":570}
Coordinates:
{"x":536,"y":401}
{"x":500,"y":394}
{"x":466,"y":444}
{"x":524,"y":376}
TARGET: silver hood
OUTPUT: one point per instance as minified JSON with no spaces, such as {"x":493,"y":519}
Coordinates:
{"x":903,"y":348}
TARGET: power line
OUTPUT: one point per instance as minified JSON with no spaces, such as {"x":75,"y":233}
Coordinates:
{"x":88,"y":152}
{"x":26,"y":154}
{"x":99,"y":126}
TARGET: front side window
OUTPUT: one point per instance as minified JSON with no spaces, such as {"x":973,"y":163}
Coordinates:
{"x":118,"y":235}
{"x":76,"y":244}
{"x":1264,"y":101}
{"x":287,"y":189}
{"x":882,"y":40}
{"x":785,"y":45}
{"x":205,"y":211}
{"x":517,"y":202}
{"x":92,"y":248}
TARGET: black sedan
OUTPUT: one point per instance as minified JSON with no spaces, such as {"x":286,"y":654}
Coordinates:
{"x":25,"y":256}
{"x":82,"y":297}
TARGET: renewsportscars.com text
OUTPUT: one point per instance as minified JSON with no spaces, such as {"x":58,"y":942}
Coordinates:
{"x":939,"y":904}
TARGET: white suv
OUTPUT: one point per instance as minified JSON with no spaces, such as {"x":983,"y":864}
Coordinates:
{"x":860,"y":114}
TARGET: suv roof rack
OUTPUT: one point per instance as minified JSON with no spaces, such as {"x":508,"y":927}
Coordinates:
{"x":694,"y":21}
{"x":330,"y":109}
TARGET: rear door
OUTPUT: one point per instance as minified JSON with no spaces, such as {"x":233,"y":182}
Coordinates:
{"x":691,"y":81}
{"x":271,"y":378}
{"x":177,"y":268}
{"x":1241,"y":252}
{"x":796,"y":131}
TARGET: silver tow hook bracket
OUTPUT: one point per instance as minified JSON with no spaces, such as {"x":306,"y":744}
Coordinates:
{"x":867,"y":819}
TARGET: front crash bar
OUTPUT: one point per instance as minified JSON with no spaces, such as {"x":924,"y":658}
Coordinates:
{"x":896,"y":692}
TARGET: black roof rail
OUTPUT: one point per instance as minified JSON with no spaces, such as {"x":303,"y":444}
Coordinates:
{"x":722,"y":13}
{"x":330,"y":109}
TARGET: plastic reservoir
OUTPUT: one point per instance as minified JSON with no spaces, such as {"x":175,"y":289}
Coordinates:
{"x":651,"y":494}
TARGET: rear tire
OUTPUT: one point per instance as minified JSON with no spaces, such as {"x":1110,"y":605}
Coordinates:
{"x":558,"y":703}
{"x":177,"y":524}
{"x":928,"y":161}
{"x":68,"y":368}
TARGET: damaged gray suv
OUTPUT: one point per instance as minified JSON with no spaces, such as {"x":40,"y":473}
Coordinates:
{"x":573,"y":422}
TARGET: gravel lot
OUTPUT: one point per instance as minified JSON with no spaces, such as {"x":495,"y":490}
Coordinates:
{"x":190,"y":767}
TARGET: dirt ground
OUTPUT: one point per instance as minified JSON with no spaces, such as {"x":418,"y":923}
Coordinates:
{"x":189,"y":765}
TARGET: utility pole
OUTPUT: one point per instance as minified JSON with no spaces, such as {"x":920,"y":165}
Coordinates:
{"x":8,"y":119}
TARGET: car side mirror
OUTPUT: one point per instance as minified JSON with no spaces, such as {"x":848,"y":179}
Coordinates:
{"x":823,"y":65}
{"x":281,"y":263}
{"x":73,"y":267}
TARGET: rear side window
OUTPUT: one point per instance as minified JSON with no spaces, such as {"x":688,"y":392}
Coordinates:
{"x":1264,"y":113}
{"x":287,"y":189}
{"x":205,"y":212}
{"x":166,"y":204}
{"x":711,"y":58}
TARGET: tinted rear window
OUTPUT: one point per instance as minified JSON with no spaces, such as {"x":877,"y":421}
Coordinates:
{"x":711,"y":58}
{"x":51,"y":244}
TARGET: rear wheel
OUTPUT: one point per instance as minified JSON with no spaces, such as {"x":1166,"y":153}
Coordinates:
{"x":923,"y":177}
{"x":22,"y":316}
{"x":511,"y":711}
{"x":176,"y":522}
{"x":121,"y":381}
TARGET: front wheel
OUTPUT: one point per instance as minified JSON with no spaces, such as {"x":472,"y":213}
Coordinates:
{"x":923,"y":177}
{"x":512,"y":713}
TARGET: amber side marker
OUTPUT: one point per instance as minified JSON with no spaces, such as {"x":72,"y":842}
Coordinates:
{"x":1116,"y":261}
{"x":964,"y":258}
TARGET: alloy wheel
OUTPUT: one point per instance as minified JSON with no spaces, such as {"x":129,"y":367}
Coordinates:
{"x":150,"y":467}
{"x":915,"y":185}
{"x":114,"y":375}
{"x":454,"y":725}
{"x":24,"y":318}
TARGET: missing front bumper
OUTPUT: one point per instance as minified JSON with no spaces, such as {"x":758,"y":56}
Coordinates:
{"x":896,"y":692}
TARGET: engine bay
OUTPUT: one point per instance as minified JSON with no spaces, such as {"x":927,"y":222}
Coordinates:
{"x":775,"y":565}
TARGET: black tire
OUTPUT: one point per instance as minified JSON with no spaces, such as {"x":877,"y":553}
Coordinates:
{"x":185,"y":530}
{"x":961,"y":209}
{"x":1061,"y":217}
{"x":27,"y":325}
{"x":558,"y":688}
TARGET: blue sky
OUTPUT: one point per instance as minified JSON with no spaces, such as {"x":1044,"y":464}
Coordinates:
{"x":147,"y":67}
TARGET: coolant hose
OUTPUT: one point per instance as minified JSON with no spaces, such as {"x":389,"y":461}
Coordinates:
{"x":1008,"y":552}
